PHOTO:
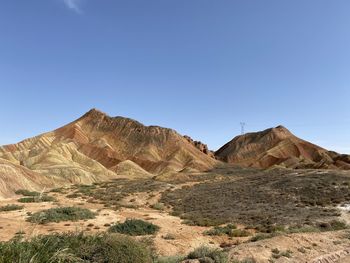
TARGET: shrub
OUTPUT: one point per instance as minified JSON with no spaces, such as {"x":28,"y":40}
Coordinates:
{"x":204,"y":252}
{"x":219,"y":231}
{"x":73,"y":195}
{"x":246,"y":260}
{"x":36,"y":199}
{"x":7,"y":208}
{"x":200,"y":221}
{"x":239,"y":233}
{"x":73,"y":247}
{"x":258,"y":237}
{"x":169,"y":237}
{"x":61,"y":214}
{"x":57,"y":190}
{"x":27,"y":192}
{"x":337,"y":225}
{"x":134,"y":227}
{"x":171,"y":259}
{"x":277,"y":254}
{"x":158,"y":206}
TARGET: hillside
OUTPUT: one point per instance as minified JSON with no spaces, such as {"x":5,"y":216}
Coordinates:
{"x":278,"y":146}
{"x":95,"y":146}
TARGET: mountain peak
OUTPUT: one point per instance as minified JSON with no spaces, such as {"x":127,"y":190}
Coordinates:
{"x":94,"y":113}
{"x":280,"y":130}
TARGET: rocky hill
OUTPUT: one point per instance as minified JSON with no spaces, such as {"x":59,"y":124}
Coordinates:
{"x":96,"y":146}
{"x":279,"y":147}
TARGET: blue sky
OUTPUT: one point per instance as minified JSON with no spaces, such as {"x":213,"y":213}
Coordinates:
{"x":198,"y":66}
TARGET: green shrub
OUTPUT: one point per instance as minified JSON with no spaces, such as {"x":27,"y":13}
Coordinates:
{"x":200,"y":221}
{"x":61,"y":214}
{"x":204,"y":252}
{"x":36,"y":199}
{"x":74,"y":248}
{"x":27,"y":192}
{"x":134,"y":227}
{"x":7,"y":208}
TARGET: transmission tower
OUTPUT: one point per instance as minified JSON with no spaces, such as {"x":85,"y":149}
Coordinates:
{"x":242,"y":127}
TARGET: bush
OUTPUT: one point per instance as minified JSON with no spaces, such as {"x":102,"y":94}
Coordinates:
{"x":277,"y":254}
{"x":171,"y":259}
{"x":203,"y":253}
{"x":219,"y":231}
{"x":61,"y":214}
{"x":200,"y":221}
{"x":134,"y":227}
{"x":158,"y":206}
{"x":333,"y":225}
{"x":239,"y":233}
{"x":57,"y":190}
{"x":36,"y":199}
{"x":259,"y":237}
{"x":246,"y":260}
{"x":27,"y":193}
{"x":73,"y":247}
{"x":7,"y":208}
{"x":169,"y":237}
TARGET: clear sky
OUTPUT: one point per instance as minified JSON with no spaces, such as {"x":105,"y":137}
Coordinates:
{"x":198,"y":66}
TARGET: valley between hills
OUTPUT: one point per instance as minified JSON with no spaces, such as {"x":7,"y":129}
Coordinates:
{"x":263,"y":197}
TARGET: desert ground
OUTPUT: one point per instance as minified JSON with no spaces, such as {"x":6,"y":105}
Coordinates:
{"x":280,"y":215}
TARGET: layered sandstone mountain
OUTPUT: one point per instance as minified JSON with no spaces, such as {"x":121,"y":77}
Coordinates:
{"x":14,"y":177}
{"x":98,"y":147}
{"x":279,"y":147}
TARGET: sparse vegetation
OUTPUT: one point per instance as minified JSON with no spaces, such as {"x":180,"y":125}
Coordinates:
{"x":111,"y":194}
{"x":57,"y":190}
{"x":171,"y":259}
{"x":72,"y":247}
{"x":8,"y":208}
{"x":266,"y":200}
{"x":134,"y":227}
{"x":158,"y":206}
{"x":261,"y":236}
{"x":27,"y":192}
{"x":212,"y":255}
{"x":276,"y":253}
{"x":37,"y":199}
{"x":61,"y":214}
{"x":246,"y":260}
{"x":169,"y":237}
{"x":219,"y":231}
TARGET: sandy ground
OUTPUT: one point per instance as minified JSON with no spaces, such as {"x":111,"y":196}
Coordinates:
{"x":307,"y":247}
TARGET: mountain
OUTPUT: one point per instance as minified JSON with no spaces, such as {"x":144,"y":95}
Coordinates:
{"x":96,"y":147}
{"x":279,"y":147}
{"x":14,"y":177}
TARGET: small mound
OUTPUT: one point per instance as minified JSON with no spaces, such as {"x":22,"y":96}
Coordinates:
{"x":130,"y":169}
